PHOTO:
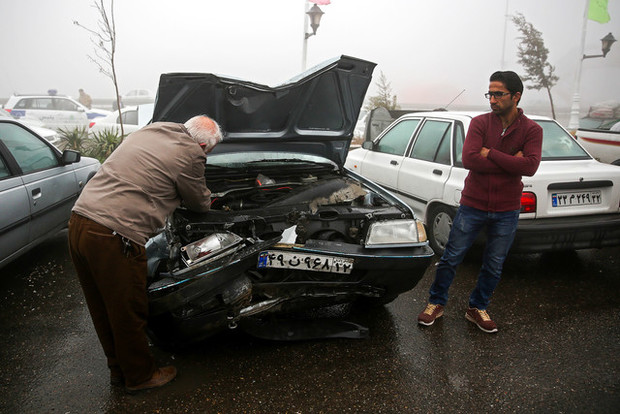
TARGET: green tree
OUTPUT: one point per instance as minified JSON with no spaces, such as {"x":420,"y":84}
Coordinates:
{"x":533,"y":56}
{"x":384,"y":97}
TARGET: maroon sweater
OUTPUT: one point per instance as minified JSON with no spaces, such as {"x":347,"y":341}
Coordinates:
{"x":494,"y":183}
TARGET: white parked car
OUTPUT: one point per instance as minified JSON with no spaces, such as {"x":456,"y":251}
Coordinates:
{"x":602,"y":141}
{"x":138,"y":97}
{"x":134,"y":118}
{"x":54,"y":111}
{"x":572,"y":202}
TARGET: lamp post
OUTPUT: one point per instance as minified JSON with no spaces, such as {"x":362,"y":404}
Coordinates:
{"x":313,"y":15}
{"x":606,"y":43}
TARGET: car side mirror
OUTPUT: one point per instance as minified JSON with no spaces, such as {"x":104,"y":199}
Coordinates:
{"x":70,"y":156}
{"x":368,"y":145}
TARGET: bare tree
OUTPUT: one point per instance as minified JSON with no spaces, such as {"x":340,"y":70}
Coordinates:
{"x":533,"y":55}
{"x":384,"y":97}
{"x":103,"y":39}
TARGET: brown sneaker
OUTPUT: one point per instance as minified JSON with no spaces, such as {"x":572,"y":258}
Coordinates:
{"x":428,"y":316}
{"x":160,"y":377}
{"x":482,"y":319}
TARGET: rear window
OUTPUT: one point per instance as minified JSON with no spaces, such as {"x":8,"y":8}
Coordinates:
{"x":559,"y":144}
{"x":129,"y":117}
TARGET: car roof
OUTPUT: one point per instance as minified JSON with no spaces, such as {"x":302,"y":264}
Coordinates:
{"x":38,"y":95}
{"x":462,"y":115}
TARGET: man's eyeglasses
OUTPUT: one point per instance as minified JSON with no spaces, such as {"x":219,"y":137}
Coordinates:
{"x":496,"y":95}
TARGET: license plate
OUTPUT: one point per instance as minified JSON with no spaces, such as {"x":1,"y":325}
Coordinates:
{"x":304,"y":261}
{"x":579,"y":198}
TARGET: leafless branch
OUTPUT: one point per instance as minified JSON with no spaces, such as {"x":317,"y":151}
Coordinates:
{"x":103,"y":40}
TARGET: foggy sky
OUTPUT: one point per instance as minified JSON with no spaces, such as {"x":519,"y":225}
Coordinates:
{"x":429,"y":50}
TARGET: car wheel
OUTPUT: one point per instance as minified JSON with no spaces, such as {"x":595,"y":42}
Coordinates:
{"x":439,"y":225}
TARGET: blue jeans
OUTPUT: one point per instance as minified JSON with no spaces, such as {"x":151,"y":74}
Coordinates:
{"x":468,"y":222}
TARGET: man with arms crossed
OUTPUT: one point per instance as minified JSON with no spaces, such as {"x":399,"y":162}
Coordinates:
{"x":501,"y":146}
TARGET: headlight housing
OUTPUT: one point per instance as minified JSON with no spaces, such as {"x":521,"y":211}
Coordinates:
{"x":395,"y":233}
{"x":210,"y":248}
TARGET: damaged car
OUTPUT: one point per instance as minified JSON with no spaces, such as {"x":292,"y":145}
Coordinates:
{"x":289,"y":228}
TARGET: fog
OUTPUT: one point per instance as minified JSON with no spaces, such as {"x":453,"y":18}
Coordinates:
{"x":430,"y":51}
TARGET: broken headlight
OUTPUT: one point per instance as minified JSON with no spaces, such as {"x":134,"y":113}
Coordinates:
{"x":210,"y":248}
{"x":395,"y":233}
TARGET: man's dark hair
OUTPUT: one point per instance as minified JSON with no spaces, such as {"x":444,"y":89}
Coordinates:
{"x":510,"y":79}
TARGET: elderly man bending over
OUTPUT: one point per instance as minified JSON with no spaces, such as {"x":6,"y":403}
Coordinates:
{"x":122,"y":206}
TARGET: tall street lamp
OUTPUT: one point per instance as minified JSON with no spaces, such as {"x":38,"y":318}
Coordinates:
{"x":606,"y":43}
{"x":314,"y":16}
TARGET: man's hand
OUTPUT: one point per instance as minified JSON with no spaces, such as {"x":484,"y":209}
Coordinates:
{"x":519,"y":154}
{"x":484,"y":152}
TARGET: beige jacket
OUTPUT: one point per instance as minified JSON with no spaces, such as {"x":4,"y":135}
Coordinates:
{"x":144,"y":180}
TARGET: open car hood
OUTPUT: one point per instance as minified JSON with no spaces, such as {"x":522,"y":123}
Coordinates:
{"x":313,"y":113}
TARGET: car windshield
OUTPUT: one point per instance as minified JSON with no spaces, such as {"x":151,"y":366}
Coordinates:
{"x":559,"y":144}
{"x":608,"y":124}
{"x":597,"y":123}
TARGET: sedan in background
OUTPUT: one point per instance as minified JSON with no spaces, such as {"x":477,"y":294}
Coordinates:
{"x":138,"y":97}
{"x":134,"y":118}
{"x":602,"y":141}
{"x":38,"y":187}
{"x":572,"y":202}
{"x":54,"y":111}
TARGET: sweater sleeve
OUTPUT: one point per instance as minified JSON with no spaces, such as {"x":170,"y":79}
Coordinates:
{"x":526,"y":165}
{"x":192,"y":187}
{"x":474,"y":141}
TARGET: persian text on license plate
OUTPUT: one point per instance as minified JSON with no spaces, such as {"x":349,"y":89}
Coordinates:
{"x":578,"y":198}
{"x":305,"y":261}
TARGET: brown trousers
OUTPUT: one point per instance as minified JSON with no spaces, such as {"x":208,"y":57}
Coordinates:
{"x":114,"y":286}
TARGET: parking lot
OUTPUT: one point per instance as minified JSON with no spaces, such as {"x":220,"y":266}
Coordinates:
{"x":557,"y":350}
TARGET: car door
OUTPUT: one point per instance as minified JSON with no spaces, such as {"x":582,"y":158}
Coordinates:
{"x":43,"y":109}
{"x":51,"y":188}
{"x":69,"y":114}
{"x":14,"y":209}
{"x":427,"y":169}
{"x":384,"y":161}
{"x":427,"y":166}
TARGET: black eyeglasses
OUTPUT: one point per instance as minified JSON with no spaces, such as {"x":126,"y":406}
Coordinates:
{"x":496,"y":95}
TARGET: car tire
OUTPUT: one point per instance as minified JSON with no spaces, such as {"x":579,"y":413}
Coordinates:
{"x":439,"y":224}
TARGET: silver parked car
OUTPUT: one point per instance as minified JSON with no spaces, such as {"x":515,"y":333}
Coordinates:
{"x":38,"y":187}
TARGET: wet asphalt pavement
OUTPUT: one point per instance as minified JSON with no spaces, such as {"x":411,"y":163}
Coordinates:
{"x":558,"y":350}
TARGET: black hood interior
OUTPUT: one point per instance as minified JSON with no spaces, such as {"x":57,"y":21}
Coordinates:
{"x":313,"y":113}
